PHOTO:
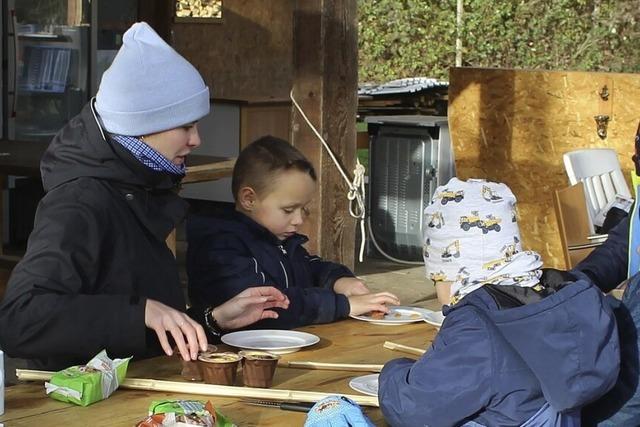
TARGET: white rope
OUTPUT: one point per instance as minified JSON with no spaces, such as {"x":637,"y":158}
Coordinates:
{"x":356,"y":187}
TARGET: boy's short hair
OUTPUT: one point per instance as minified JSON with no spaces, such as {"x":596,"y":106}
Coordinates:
{"x":261,"y":160}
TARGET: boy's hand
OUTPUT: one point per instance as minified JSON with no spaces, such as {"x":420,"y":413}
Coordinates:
{"x":249,"y":306}
{"x":350,"y":286}
{"x":361,"y":304}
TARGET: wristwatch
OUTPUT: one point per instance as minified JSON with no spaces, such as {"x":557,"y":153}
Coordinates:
{"x":212,"y":324}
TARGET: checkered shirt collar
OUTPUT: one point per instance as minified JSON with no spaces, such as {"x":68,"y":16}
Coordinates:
{"x":147,"y":155}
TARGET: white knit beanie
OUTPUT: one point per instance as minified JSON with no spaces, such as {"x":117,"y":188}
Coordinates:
{"x":149,"y":87}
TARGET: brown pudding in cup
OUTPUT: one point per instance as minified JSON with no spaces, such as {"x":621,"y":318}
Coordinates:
{"x":191,"y":369}
{"x":219,"y":368}
{"x":258,"y":368}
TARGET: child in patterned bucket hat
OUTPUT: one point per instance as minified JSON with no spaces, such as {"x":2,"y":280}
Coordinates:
{"x":513,"y":350}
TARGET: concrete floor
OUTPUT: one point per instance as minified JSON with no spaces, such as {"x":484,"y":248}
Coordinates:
{"x":407,"y":282}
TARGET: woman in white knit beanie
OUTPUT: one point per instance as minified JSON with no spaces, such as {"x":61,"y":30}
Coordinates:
{"x":97,"y":273}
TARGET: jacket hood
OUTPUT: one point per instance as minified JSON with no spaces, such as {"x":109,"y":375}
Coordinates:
{"x":81,"y":150}
{"x":569,"y":340}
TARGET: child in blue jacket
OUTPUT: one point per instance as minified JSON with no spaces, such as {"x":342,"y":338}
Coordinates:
{"x":512,"y":351}
{"x":258,"y":244}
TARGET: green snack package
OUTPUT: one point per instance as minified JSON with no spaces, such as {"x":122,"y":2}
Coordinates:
{"x":182,"y":412}
{"x":84,"y":385}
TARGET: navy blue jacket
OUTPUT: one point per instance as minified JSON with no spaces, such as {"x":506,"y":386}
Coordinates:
{"x":229,"y":254}
{"x":607,"y":265}
{"x":499,"y":367}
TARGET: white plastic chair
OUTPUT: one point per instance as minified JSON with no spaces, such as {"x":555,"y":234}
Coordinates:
{"x":599,"y":170}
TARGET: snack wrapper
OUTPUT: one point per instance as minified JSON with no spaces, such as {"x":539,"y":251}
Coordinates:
{"x":184,"y":413}
{"x":84,"y":385}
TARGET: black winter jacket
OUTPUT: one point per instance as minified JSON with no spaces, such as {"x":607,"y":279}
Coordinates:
{"x":97,"y":252}
{"x":231,"y":253}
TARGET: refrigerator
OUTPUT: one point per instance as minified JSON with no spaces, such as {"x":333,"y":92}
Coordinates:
{"x":53,"y":55}
{"x":409,"y":156}
{"x":48,"y":62}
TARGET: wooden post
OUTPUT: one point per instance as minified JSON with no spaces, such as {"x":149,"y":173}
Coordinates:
{"x":74,"y":12}
{"x":159,"y":14}
{"x":325,"y":58}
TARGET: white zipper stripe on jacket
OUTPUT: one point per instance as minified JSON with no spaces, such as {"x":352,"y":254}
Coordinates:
{"x":259,"y":273}
{"x":286,"y":278}
{"x":95,"y":117}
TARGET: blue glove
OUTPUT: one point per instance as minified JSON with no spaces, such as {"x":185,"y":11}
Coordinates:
{"x":337,"y":411}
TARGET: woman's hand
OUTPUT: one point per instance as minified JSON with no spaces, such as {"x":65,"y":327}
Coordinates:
{"x":249,"y":306}
{"x":162,"y":319}
{"x":350,"y":286}
{"x":361,"y":304}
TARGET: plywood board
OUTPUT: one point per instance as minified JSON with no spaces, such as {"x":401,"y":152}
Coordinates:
{"x":573,"y":224}
{"x":514,"y":125}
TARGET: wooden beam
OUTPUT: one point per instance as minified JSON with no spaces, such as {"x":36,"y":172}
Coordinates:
{"x":325,"y":61}
{"x":159,"y":14}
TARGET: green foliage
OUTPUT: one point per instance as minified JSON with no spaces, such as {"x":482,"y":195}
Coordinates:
{"x":404,"y":38}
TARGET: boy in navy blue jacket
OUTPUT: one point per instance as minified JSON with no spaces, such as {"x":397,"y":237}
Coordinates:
{"x":258,"y":243}
{"x":514,"y":350}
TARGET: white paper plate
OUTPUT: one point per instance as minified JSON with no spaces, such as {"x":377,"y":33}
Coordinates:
{"x":273,"y":340}
{"x":367,"y":384}
{"x":397,"y":315}
{"x":434,"y":318}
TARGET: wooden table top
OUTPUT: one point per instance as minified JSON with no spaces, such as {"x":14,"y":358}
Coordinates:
{"x":347,"y":341}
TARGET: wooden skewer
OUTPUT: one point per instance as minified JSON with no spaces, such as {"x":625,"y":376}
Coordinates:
{"x":33,"y":375}
{"x":331,"y":366}
{"x":399,"y":347}
{"x":213,"y":390}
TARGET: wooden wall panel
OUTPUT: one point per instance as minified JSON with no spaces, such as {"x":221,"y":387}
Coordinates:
{"x":514,"y":125}
{"x":247,"y":56}
{"x":258,"y":120}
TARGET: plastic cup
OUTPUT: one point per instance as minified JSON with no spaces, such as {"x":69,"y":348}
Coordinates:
{"x":219,"y":368}
{"x":191,"y":368}
{"x":258,"y":368}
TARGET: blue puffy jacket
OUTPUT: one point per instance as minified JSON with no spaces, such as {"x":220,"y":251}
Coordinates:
{"x":534,"y":364}
{"x":230,"y":253}
{"x":607,"y":265}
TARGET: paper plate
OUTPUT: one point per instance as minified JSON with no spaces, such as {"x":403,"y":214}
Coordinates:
{"x":397,"y":316}
{"x":434,"y":318}
{"x":367,"y":384}
{"x":273,"y":340}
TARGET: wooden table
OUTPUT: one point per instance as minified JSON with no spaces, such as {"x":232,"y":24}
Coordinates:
{"x":347,"y":341}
